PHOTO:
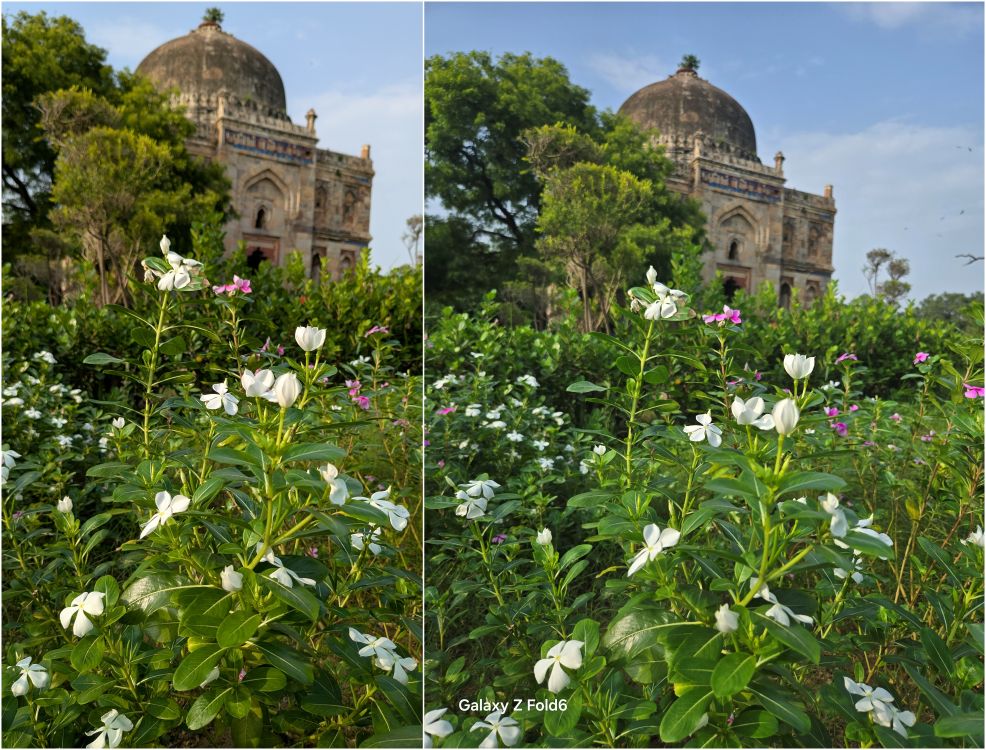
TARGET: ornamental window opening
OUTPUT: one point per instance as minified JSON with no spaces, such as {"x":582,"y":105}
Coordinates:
{"x":734,"y":250}
{"x":261,"y":222}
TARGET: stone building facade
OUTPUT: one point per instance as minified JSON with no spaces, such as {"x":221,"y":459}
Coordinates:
{"x":288,"y":193}
{"x":758,"y":228}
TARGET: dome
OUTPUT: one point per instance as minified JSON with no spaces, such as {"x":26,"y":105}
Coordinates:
{"x":208,"y":61}
{"x":684,"y":104}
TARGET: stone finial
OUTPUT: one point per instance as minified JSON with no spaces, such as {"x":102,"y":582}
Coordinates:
{"x":827,"y":192}
{"x":779,"y":161}
{"x":365,"y":151}
{"x":310,"y":118}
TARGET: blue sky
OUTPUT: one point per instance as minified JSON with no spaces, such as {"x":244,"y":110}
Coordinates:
{"x":357,"y":64}
{"x":882,"y":100}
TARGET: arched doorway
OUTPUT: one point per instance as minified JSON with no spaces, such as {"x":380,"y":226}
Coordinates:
{"x":730,"y":286}
{"x":785,"y":298}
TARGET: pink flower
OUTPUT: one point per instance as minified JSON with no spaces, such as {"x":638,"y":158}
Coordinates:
{"x":243,"y":673}
{"x":499,"y":538}
{"x":266,"y":345}
{"x":929,"y":437}
{"x":853,"y":407}
{"x":869,"y":443}
{"x":921,"y":357}
{"x":896,"y":417}
{"x":841,"y":429}
{"x":973,"y":391}
{"x":441,"y":463}
{"x":219,"y":289}
{"x":280,"y":350}
{"x":757,"y":375}
{"x":313,"y":552}
{"x":844,"y":356}
{"x":709,"y":318}
{"x":728,"y":313}
{"x":376,"y":329}
{"x":363,"y":402}
{"x":831,"y":412}
{"x":447,"y":409}
{"x":241,"y":285}
{"x":354,"y":387}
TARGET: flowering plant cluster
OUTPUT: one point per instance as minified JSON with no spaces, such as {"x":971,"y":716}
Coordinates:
{"x":206,"y":575}
{"x":732,"y":569}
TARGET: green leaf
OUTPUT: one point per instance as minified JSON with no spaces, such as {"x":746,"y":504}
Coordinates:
{"x":755,"y":724}
{"x":108,"y":586}
{"x":584,"y":386}
{"x":408,"y":709}
{"x":88,"y":687}
{"x":636,"y":631}
{"x":961,"y":725}
{"x":732,"y":674}
{"x":162,"y":708}
{"x":574,"y":554}
{"x":237,"y":628}
{"x":87,"y":653}
{"x":942,"y":558}
{"x":287,"y":660}
{"x":794,"y":637}
{"x":786,"y":710}
{"x":297,"y":597}
{"x":195,"y":667}
{"x":99,"y":358}
{"x":940,"y":702}
{"x":155,"y":591}
{"x":398,"y":738}
{"x":207,"y":490}
{"x":684,"y":715}
{"x":238,"y":703}
{"x":560,"y":723}
{"x":868,"y":545}
{"x":313,"y":452}
{"x":265,"y":680}
{"x":173,"y":346}
{"x":800,"y":481}
{"x":628,"y":365}
{"x":324,"y":698}
{"x":206,"y":707}
{"x":937,"y":651}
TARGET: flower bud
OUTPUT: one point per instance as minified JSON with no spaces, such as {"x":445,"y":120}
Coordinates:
{"x":651,"y":276}
{"x":786,"y":416}
{"x":65,"y":505}
{"x":798,"y":366}
{"x":727,"y":621}
{"x":544,"y":537}
{"x":309,"y":338}
{"x":231,"y":580}
{"x":287,"y":388}
{"x":165,"y":244}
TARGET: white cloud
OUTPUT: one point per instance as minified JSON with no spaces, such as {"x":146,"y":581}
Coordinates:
{"x":391,"y":121}
{"x":914,"y":189}
{"x":956,"y":18}
{"x":630,"y":73}
{"x":129,"y":41}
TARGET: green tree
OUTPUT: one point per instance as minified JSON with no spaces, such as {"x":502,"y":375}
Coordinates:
{"x":476,"y":110}
{"x":952,"y":307}
{"x":689,"y":62}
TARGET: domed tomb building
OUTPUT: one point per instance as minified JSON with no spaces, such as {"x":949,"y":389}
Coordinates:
{"x":759,"y":229}
{"x":289,"y":194}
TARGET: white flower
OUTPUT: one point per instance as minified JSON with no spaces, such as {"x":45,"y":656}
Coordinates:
{"x":544,"y":537}
{"x":498,"y":424}
{"x":382,"y":650}
{"x":284,"y":576}
{"x":854,"y":571}
{"x":514,"y":437}
{"x":786,"y":416}
{"x":30,"y":673}
{"x":398,"y":664}
{"x":231,"y":580}
{"x":309,"y":338}
{"x":14,"y":402}
{"x":778,"y":612}
{"x":63,"y":440}
{"x":839,"y":525}
{"x":397,"y":514}
{"x":798,"y":366}
{"x":8,"y":463}
{"x":562,"y":654}
{"x":584,"y":466}
{"x":258,"y":384}
{"x":339,"y":492}
{"x":32,"y":414}
{"x":704,"y":430}
{"x":104,"y":443}
{"x":87,"y":603}
{"x":179,"y":276}
{"x":287,"y":388}
{"x":58,"y":422}
{"x":474,"y":410}
{"x":477,"y":487}
{"x":878,"y":701}
{"x":662,"y":307}
{"x":540,"y":444}
{"x":472,"y":507}
{"x":651,"y":276}
{"x":599,"y":450}
{"x":528,"y":380}
{"x":165,"y":244}
{"x":359,"y":539}
{"x":119,"y":423}
{"x":505,"y":727}
{"x":435,"y":725}
{"x":547,"y":464}
{"x":901,"y":720}
{"x":727,"y":621}
{"x":64,"y":505}
{"x":167,"y":506}
{"x":976,"y":537}
{"x":45,"y":356}
{"x":863,"y":527}
{"x":655,"y":542}
{"x":749,"y":412}
{"x":221,"y":398}
{"x":111,"y":733}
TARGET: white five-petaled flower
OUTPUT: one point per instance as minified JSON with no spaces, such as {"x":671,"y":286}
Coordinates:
{"x":704,"y":430}
{"x":749,"y":412}
{"x":977,"y":538}
{"x":477,"y":487}
{"x":544,"y":537}
{"x":258,"y":384}
{"x":528,"y":380}
{"x":359,"y":539}
{"x":309,"y":338}
{"x":384,"y":653}
{"x":30,"y":674}
{"x":663,"y":307}
{"x":397,"y":665}
{"x":471,"y":507}
{"x":221,"y":398}
{"x":839,"y":525}
{"x":798,"y":366}
{"x":8,"y":464}
{"x":338,"y":492}
{"x":599,"y":450}
{"x":231,"y":580}
{"x":879,"y":702}
{"x":397,"y":514}
{"x":435,"y":725}
{"x":901,"y":720}
{"x":562,"y":654}
{"x":863,"y":527}
{"x":504,"y":726}
{"x":111,"y":733}
{"x":283,"y":575}
{"x":854,"y":571}
{"x":118,"y":423}
{"x":786,"y":415}
{"x":727,"y":621}
{"x":778,"y":612}
{"x":86,"y":603}
{"x":167,"y":506}
{"x":180,"y":275}
{"x":64,"y":505}
{"x":655,"y":542}
{"x":287,"y":388}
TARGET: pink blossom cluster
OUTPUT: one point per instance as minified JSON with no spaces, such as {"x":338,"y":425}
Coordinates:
{"x":846,"y":355}
{"x":376,"y":329}
{"x":354,"y":386}
{"x":238,"y":285}
{"x":266,"y":347}
{"x":728,"y":313}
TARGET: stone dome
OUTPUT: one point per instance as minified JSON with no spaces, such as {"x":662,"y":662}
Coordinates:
{"x":684,"y":104}
{"x":208,"y":61}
